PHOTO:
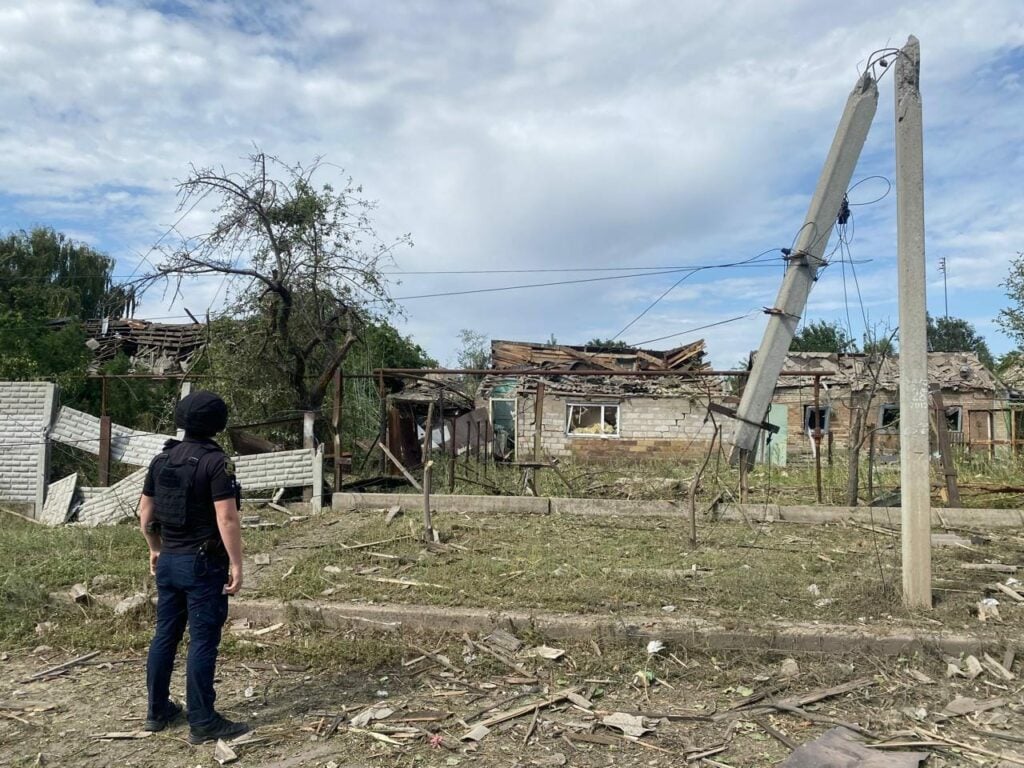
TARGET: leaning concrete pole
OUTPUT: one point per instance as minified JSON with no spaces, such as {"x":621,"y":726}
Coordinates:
{"x":914,"y":455}
{"x":805,"y":260}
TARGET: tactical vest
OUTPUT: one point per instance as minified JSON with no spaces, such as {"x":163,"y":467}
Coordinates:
{"x":173,"y":482}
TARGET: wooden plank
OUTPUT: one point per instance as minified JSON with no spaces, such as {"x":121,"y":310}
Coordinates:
{"x":942,"y":433}
{"x":62,"y":667}
{"x":538,"y":421}
{"x":526,"y":709}
{"x":401,"y":468}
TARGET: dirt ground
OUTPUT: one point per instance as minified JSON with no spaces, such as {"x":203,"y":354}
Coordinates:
{"x":691,"y":702}
{"x":347,"y":698}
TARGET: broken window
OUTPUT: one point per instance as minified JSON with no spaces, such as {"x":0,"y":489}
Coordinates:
{"x":955,"y":418}
{"x":503,"y":419}
{"x":889,"y":416}
{"x":815,"y":417}
{"x":596,"y":419}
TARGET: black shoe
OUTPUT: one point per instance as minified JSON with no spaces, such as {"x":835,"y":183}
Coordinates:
{"x":218,"y":728}
{"x":172,"y":713}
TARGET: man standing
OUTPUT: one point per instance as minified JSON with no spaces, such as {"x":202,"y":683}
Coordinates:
{"x":189,"y":515}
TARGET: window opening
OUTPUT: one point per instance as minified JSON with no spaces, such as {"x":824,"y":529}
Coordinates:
{"x":955,"y":418}
{"x":889,"y":417}
{"x":815,"y":416}
{"x":592,"y":419}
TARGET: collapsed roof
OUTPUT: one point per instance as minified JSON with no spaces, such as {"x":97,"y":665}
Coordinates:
{"x":156,"y":348}
{"x":952,"y":371}
{"x":515,"y":355}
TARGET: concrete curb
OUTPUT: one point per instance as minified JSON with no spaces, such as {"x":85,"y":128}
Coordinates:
{"x":693,"y":633}
{"x":522,"y":505}
{"x":806,"y":515}
{"x":689,"y":632}
{"x":885,"y":516}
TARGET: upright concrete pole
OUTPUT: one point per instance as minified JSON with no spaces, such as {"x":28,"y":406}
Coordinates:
{"x":805,"y":260}
{"x":914,"y":458}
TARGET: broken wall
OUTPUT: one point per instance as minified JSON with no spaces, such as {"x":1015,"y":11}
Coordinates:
{"x":26,"y":412}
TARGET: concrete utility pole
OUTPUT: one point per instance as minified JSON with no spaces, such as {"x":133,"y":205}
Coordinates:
{"x":805,"y":260}
{"x":914,"y":459}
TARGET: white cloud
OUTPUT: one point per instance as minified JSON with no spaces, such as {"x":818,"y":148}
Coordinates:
{"x":526,"y":135}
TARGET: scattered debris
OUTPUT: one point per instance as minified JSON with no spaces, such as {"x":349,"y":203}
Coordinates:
{"x":224,"y":754}
{"x":261,"y":558}
{"x":789,"y":669}
{"x":503,"y":640}
{"x":837,"y":747}
{"x":994,"y":567}
{"x":998,"y":669}
{"x":476,"y":733}
{"x":988,"y":609}
{"x":655,"y":646}
{"x":268,"y":630}
{"x":62,"y":668}
{"x":630,"y":725}
{"x":392,"y":513}
{"x":132,"y":605}
{"x":962,"y":705}
{"x":102,"y":581}
{"x":80,"y":594}
{"x":543,"y":652}
{"x":370,"y":714}
{"x":1011,"y":593}
{"x":974,"y":667}
{"x":123,"y":735}
{"x":921,"y":677}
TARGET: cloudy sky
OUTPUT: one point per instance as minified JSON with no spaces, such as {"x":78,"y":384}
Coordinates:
{"x":532,"y":136}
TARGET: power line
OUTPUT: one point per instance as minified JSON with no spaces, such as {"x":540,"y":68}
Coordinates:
{"x":698,"y":328}
{"x":744,"y":263}
{"x":399,"y":273}
{"x":539,"y":285}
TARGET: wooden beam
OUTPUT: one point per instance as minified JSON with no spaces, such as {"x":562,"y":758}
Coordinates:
{"x":942,"y":435}
{"x":401,"y":468}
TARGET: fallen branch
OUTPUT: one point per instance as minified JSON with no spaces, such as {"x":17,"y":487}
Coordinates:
{"x":970,"y":747}
{"x":774,"y":733}
{"x":349,"y":547}
{"x":495,"y":655}
{"x":61,"y":667}
{"x":526,"y":709}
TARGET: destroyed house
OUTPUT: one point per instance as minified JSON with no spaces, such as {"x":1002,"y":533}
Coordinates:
{"x":978,"y":415}
{"x":597,"y":417}
{"x":156,"y":348}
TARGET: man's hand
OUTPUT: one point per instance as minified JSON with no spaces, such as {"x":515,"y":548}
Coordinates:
{"x":234,"y":579}
{"x":154,"y":555}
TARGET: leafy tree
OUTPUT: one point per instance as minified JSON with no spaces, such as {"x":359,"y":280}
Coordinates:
{"x":822,"y":336}
{"x":880,"y":341}
{"x":954,"y":334}
{"x":255,"y":392}
{"x":474,"y":352}
{"x":607,"y":343}
{"x":303,"y":261}
{"x":474,"y":349}
{"x":1011,"y":318}
{"x":46,"y":275}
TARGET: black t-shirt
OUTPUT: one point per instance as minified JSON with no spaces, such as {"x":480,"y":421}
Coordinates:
{"x":214,"y":481}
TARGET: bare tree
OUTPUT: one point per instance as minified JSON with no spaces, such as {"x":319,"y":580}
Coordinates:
{"x":301,"y":260}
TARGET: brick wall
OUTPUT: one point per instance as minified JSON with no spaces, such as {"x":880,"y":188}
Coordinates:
{"x":26,"y":412}
{"x":284,"y":469}
{"x":82,"y":430}
{"x":104,"y":506}
{"x":671,"y":427}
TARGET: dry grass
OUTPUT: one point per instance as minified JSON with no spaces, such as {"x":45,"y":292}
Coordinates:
{"x":739,"y":574}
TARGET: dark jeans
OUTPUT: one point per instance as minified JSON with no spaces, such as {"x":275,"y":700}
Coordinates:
{"x":189,"y":589}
